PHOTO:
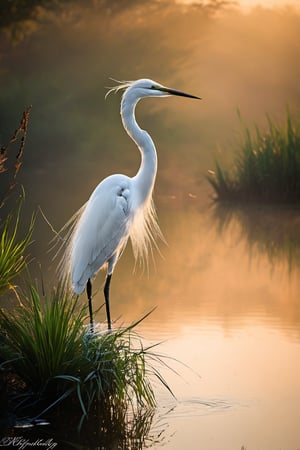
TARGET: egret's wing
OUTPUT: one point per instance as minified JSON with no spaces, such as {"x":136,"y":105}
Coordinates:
{"x":102,"y":230}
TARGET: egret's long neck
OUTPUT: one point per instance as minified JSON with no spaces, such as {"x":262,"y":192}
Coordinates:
{"x":146,"y":174}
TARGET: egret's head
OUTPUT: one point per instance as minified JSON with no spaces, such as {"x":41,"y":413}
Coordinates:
{"x":148,"y":88}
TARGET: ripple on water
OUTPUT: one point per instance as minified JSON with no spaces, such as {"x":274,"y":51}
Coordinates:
{"x":196,"y":406}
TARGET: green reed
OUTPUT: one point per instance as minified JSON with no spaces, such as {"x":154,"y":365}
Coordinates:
{"x":12,"y":250}
{"x":45,"y":344}
{"x":267,"y":167}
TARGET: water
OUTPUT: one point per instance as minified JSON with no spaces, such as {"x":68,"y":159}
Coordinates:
{"x":226,"y":285}
{"x":233,"y":320}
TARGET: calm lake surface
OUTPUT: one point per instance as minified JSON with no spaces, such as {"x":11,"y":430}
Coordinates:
{"x":226,"y":285}
{"x":228,"y":308}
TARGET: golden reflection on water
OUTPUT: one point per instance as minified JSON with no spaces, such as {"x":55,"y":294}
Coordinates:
{"x":228,"y":308}
{"x":232,"y":316}
{"x":204,"y":274}
{"x":249,"y":382}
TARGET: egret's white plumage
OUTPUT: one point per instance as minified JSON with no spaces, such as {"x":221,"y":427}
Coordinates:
{"x":120,"y":207}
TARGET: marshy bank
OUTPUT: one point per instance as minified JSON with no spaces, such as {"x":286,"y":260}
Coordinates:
{"x":51,"y":365}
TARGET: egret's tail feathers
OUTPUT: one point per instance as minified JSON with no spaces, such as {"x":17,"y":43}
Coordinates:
{"x":62,"y":242}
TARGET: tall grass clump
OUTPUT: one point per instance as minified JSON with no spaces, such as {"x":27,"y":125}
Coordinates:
{"x":13,"y":245}
{"x":41,"y":341}
{"x":266,"y":169}
{"x":46,"y":346}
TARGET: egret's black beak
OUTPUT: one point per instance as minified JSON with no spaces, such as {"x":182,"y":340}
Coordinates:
{"x":181,"y":94}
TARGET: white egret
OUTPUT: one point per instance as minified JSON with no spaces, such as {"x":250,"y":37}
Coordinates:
{"x":120,"y":207}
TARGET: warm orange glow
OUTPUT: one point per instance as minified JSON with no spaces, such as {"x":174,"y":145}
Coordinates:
{"x":247,"y":4}
{"x":227,"y":285}
{"x":228,"y":309}
{"x":207,"y":277}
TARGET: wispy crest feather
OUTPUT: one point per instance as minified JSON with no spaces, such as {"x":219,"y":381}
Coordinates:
{"x":122,"y":85}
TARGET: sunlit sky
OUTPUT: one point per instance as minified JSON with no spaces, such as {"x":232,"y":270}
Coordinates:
{"x":268,"y":3}
{"x":252,"y":3}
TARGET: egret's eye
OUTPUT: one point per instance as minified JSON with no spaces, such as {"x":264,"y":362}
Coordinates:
{"x":153,"y":87}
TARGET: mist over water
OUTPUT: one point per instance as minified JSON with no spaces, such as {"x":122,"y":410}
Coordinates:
{"x":226,"y":284}
{"x":231,"y":59}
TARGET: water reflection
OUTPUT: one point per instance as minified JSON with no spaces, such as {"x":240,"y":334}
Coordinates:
{"x":207,"y":277}
{"x":249,"y":378}
{"x":274,"y":232}
{"x":118,"y":430}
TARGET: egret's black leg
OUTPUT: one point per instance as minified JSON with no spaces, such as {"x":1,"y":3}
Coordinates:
{"x":89,"y":296}
{"x":106,"y":296}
